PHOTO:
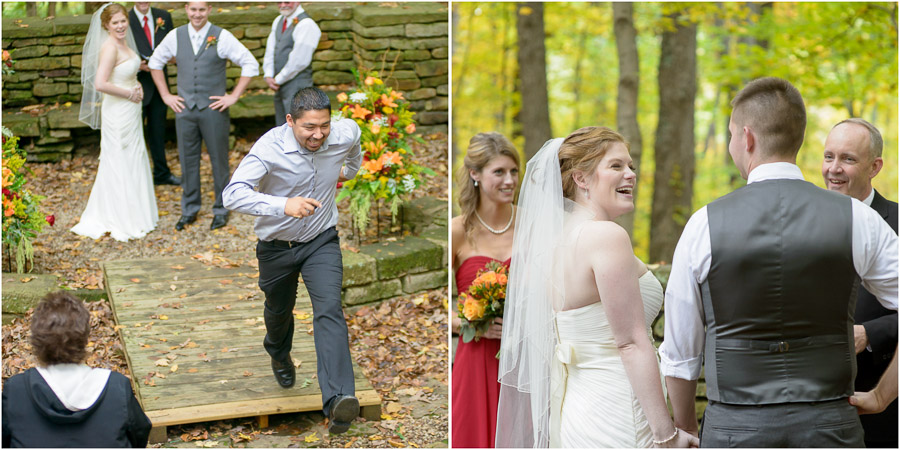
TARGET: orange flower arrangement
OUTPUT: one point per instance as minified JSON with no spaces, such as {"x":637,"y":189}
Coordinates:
{"x":388,"y":171}
{"x":483,"y":301}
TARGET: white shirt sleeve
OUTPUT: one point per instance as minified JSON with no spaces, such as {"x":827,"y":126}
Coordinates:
{"x":269,"y":57}
{"x":682,"y":349}
{"x":875,"y":254}
{"x":231,"y":49}
{"x":306,"y":36}
{"x":164,"y":52}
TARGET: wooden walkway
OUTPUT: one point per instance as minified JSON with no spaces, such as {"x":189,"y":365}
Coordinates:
{"x":193,"y":331}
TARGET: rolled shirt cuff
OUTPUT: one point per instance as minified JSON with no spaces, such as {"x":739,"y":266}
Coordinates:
{"x":685,"y":370}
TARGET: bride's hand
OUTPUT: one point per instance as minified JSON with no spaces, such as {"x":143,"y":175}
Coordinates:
{"x":682,"y":439}
{"x":496,"y":329}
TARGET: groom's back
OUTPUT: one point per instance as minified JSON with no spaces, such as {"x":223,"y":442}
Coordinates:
{"x":780,"y":294}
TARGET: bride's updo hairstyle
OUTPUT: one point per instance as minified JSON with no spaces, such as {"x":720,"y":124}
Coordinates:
{"x":109,"y":12}
{"x":483,"y":147}
{"x":582,"y":151}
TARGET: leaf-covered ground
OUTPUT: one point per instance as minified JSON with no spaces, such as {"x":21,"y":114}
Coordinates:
{"x":401,"y":344}
{"x":74,"y":258}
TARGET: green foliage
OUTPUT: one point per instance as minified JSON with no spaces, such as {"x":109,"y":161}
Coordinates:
{"x":841,"y":56}
{"x":22,"y":216}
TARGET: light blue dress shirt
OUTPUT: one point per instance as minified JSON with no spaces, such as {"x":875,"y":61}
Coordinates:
{"x":278,"y":168}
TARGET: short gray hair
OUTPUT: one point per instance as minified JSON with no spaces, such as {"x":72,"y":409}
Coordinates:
{"x":876,"y":143}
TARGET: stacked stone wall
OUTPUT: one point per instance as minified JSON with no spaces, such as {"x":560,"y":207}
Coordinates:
{"x":407,"y":43}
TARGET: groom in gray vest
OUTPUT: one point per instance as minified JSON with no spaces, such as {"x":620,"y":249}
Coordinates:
{"x":763,"y":289}
{"x":201,"y":106}
{"x":287,"y":64}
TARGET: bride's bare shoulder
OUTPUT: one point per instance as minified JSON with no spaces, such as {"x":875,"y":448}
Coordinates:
{"x":603,"y":234}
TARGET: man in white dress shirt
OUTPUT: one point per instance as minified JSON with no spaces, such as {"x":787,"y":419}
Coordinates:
{"x":201,"y":106}
{"x":287,"y":64}
{"x":762,"y":291}
{"x":289,"y":180}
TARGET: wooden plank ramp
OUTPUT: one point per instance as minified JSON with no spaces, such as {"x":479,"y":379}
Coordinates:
{"x":193,"y":331}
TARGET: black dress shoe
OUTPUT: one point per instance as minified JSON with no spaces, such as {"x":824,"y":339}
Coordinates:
{"x":184,"y":220}
{"x":171,"y":179}
{"x":344,"y":408}
{"x":219,"y":221}
{"x":284,"y":372}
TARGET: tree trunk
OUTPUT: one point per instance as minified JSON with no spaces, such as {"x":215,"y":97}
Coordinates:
{"x":30,"y":9}
{"x":51,"y":9}
{"x":674,"y":147}
{"x":581,"y":48}
{"x":627,"y":97}
{"x":535,"y":112}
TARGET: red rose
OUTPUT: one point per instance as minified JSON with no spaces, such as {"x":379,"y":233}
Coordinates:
{"x":340,"y":185}
{"x":393,"y":118}
{"x":7,"y":193}
{"x":50,"y":219}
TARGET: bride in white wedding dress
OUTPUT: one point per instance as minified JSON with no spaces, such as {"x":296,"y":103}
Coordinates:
{"x":122,"y":200}
{"x":578,"y":367}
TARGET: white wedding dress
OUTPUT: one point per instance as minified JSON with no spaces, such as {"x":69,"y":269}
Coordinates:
{"x":597,"y":407}
{"x":122,"y":200}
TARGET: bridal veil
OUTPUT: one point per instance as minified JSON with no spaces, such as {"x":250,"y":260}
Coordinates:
{"x":527,"y":352}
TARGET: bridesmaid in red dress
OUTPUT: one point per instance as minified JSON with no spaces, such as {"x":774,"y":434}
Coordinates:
{"x":481,"y":234}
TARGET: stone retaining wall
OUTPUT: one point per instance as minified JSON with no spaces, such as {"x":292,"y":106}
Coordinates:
{"x":408,"y":43}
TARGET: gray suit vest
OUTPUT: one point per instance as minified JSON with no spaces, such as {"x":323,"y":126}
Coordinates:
{"x":284,"y":44}
{"x":200,"y":75}
{"x":780,"y":295}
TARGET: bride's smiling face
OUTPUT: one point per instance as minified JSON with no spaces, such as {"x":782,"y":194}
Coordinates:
{"x":117,"y":26}
{"x":498,"y":179}
{"x":612,"y":183}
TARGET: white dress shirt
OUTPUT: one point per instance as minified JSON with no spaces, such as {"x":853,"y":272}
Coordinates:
{"x":874,"y":247}
{"x":150,"y":23}
{"x":278,"y":168}
{"x":868,"y":200}
{"x":227,"y":47}
{"x":306,"y":36}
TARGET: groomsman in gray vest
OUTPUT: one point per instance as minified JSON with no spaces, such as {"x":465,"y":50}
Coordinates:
{"x":289,"y":180}
{"x":852,"y":158}
{"x":287,"y":64}
{"x":763,"y":289}
{"x":201,"y":106}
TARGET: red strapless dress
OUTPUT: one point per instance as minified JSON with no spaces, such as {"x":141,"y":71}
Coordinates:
{"x":475,"y":389}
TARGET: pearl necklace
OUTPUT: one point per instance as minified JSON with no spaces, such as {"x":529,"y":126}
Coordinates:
{"x":508,"y":224}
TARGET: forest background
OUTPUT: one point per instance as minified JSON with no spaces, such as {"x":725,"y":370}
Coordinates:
{"x":663,"y":74}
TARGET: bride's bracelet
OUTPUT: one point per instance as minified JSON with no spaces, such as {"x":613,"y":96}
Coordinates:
{"x":665,"y":441}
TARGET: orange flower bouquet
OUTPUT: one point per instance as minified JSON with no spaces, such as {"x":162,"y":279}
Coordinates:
{"x":483,"y":301}
{"x":388,"y":170}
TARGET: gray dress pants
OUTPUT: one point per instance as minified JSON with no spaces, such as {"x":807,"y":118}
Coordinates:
{"x":830,"y":424}
{"x":320,"y":263}
{"x":194,"y":126}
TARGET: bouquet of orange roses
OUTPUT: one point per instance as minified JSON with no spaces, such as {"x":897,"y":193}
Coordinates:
{"x":483,"y":301}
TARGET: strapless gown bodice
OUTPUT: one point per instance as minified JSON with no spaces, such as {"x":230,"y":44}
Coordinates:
{"x":597,"y":406}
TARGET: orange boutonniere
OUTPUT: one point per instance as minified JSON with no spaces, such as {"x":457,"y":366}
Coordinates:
{"x":295,"y":21}
{"x":211,"y":40}
{"x":159,"y":24}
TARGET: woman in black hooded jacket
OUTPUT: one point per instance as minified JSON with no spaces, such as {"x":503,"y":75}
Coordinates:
{"x":63,"y":402}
